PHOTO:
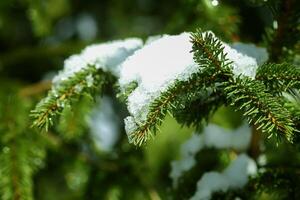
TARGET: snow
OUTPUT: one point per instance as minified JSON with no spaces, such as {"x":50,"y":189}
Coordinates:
{"x":155,"y":67}
{"x":130,"y":126}
{"x":213,"y":136}
{"x":233,"y":177}
{"x":221,"y":138}
{"x":260,"y":54}
{"x":242,"y":64}
{"x":104,"y":125}
{"x":107,"y":56}
{"x":164,"y":60}
{"x":262,"y":160}
{"x":188,"y":151}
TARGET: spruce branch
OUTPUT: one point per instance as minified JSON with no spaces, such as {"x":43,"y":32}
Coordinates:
{"x":213,"y":68}
{"x":292,"y":104}
{"x":161,"y":106}
{"x":260,"y":107}
{"x":84,"y":82}
{"x":19,"y":160}
{"x":170,"y":101}
{"x":21,"y":150}
{"x":279,"y":77}
{"x":209,"y":52}
{"x":197,"y":111}
{"x":73,"y":124}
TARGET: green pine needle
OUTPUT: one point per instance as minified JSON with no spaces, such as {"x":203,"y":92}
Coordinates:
{"x":260,"y":108}
{"x":62,"y":96}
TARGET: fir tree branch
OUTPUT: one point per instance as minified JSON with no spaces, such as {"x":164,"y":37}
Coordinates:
{"x":20,"y":154}
{"x":199,"y":110}
{"x":18,"y":164}
{"x":279,"y":77}
{"x":73,"y":123}
{"x":292,"y":104}
{"x":260,"y":108}
{"x":83,"y":82}
{"x":163,"y":105}
{"x":208,"y":52}
{"x":213,"y":68}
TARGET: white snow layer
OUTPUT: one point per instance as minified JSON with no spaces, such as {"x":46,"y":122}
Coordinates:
{"x":104,"y":125}
{"x":162,"y":61}
{"x":242,"y":64}
{"x":260,"y":54}
{"x":155,"y":67}
{"x":213,"y":136}
{"x":233,"y":177}
{"x":107,"y":56}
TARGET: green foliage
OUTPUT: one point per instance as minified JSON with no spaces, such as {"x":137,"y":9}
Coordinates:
{"x":35,"y":37}
{"x":209,"y":160}
{"x":65,"y":94}
{"x":163,"y":105}
{"x":43,"y":14}
{"x":198,"y":111}
{"x":283,"y":38}
{"x":279,"y":78}
{"x":260,"y":108}
{"x":209,"y":54}
{"x":73,"y":123}
{"x":251,"y":97}
{"x":22,"y":150}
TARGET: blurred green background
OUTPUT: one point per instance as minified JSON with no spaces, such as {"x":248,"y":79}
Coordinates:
{"x":35,"y":38}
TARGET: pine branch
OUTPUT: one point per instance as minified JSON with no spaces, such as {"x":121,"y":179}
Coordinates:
{"x":21,"y":150}
{"x":260,"y":108}
{"x":73,"y":124}
{"x":82,"y":75}
{"x":198,"y":111}
{"x":84,"y":82}
{"x":292,"y":104}
{"x":163,"y":105}
{"x":208,"y":52}
{"x":279,"y":77}
{"x":213,"y":68}
{"x":19,"y":160}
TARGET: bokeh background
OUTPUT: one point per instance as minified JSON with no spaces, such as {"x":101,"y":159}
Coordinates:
{"x":74,"y":163}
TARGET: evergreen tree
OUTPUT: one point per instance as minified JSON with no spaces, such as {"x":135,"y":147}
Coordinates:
{"x":193,"y":99}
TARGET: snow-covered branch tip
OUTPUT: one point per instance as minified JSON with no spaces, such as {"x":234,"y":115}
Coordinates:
{"x":162,"y":69}
{"x":173,"y":69}
{"x":83,"y":74}
{"x":166,"y":75}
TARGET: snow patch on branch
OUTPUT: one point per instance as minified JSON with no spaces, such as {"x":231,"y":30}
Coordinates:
{"x":242,"y":64}
{"x":233,"y":177}
{"x":259,"y":53}
{"x":213,"y":136}
{"x":163,"y":61}
{"x":107,"y":56}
